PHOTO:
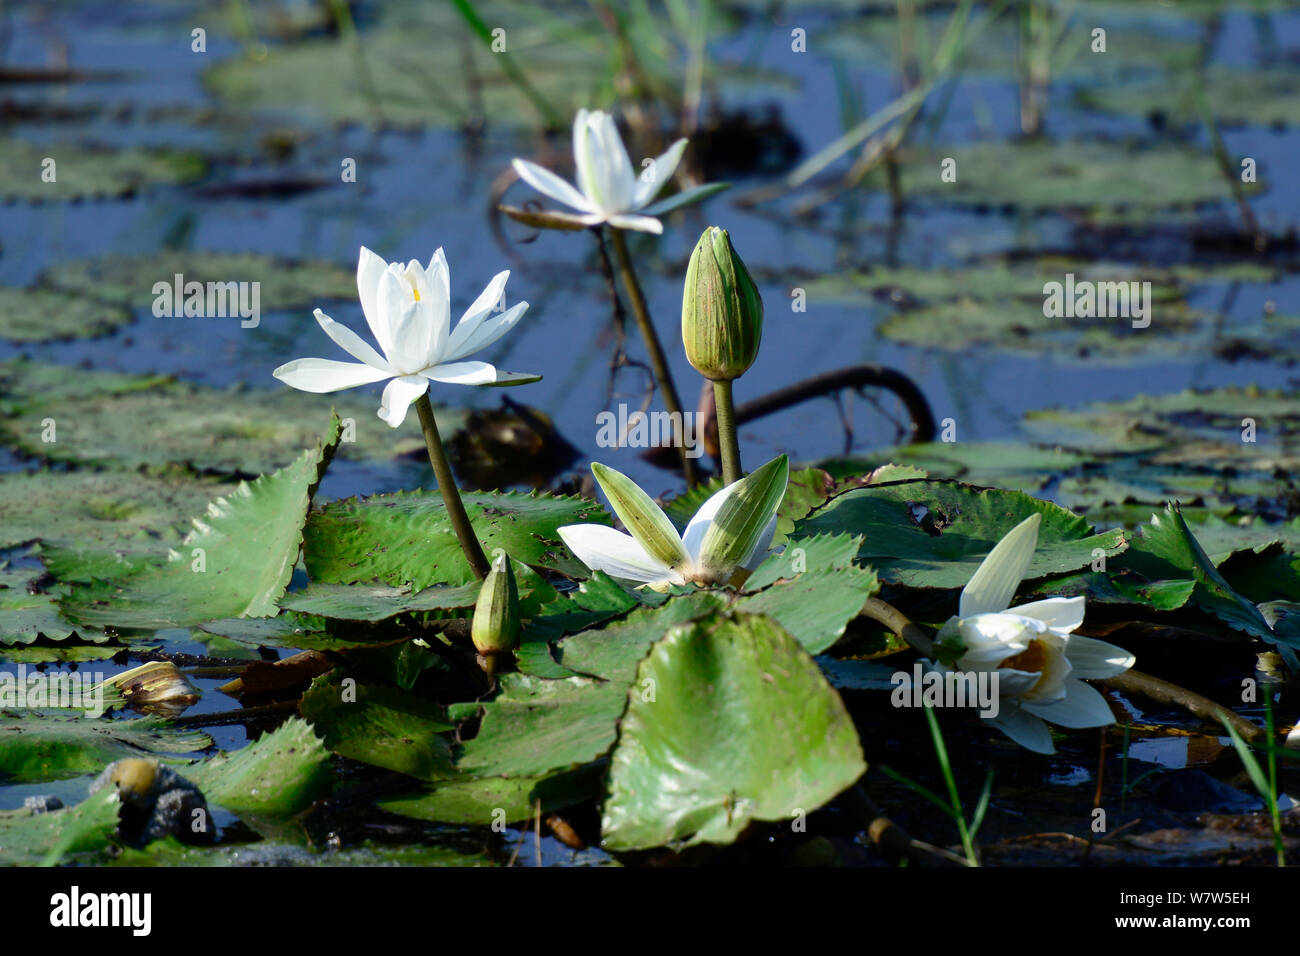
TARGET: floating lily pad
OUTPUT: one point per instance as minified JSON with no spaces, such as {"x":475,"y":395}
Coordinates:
{"x":823,"y":552}
{"x":379,"y":725}
{"x":535,"y":726}
{"x":123,"y":511}
{"x":118,"y":420}
{"x":80,"y":834}
{"x":362,"y":602}
{"x":485,"y":801}
{"x":1235,"y":97}
{"x":42,"y":315}
{"x":280,"y":773}
{"x":43,"y":746}
{"x":128,"y":280}
{"x":83,"y":171}
{"x":816,"y":606}
{"x":236,"y":563}
{"x":934,"y":534}
{"x":1091,"y":176}
{"x":742,"y":726}
{"x":28,"y":615}
{"x":406,"y":539}
{"x":1012,"y":466}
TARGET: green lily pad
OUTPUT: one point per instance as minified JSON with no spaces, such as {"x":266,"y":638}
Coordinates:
{"x":28,"y":616}
{"x":1008,"y":465}
{"x":817,"y":606}
{"x":1167,"y":549}
{"x":280,"y":773}
{"x":742,"y":726}
{"x":42,"y":315}
{"x":83,"y":171}
{"x":80,"y":834}
{"x":1235,"y":97}
{"x":128,"y":280}
{"x":500,"y":800}
{"x":123,"y":512}
{"x":43,"y":746}
{"x":379,"y":725}
{"x":934,"y":534}
{"x":236,"y":563}
{"x":1102,"y":179}
{"x":535,"y":726}
{"x":362,"y":602}
{"x":823,"y":552}
{"x":110,"y":419}
{"x":406,"y":539}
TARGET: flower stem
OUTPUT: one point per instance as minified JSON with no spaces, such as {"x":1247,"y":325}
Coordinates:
{"x":728,"y":442}
{"x":898,"y":622}
{"x":478,"y":562}
{"x":658,"y":363}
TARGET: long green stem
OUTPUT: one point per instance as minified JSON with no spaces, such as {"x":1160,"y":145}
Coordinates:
{"x":658,"y":363}
{"x":728,"y":442}
{"x":958,"y":814}
{"x":478,"y":562}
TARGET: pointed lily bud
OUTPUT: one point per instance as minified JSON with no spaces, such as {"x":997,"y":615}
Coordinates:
{"x":744,"y":520}
{"x":496,"y":615}
{"x":645,"y":521}
{"x":722,"y":313}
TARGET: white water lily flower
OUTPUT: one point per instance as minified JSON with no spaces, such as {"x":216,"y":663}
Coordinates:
{"x":732,"y":529}
{"x":1038,"y":661}
{"x":609,"y":189}
{"x":408,"y":309}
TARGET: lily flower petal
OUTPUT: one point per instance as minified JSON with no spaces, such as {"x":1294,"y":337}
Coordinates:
{"x":370,"y":270}
{"x":617,"y":554}
{"x":1092,"y":659}
{"x":325,"y":375}
{"x":1023,"y":728}
{"x":398,"y":396}
{"x":696,"y":528}
{"x":994,"y":583}
{"x":352,"y":343}
{"x":637,"y":223}
{"x":462,"y":373}
{"x":549,"y":184}
{"x":1063,"y":614}
{"x":1082,"y":706}
{"x":655,"y":176}
{"x":476,"y":332}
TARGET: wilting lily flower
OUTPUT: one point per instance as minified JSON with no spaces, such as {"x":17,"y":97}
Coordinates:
{"x":1037,"y":659}
{"x":733,"y":529}
{"x":408,"y":309}
{"x":609,"y":190}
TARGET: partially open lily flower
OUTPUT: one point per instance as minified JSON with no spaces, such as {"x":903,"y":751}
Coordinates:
{"x":732,"y":530}
{"x":1038,"y":661}
{"x":609,"y":189}
{"x":408,"y":309}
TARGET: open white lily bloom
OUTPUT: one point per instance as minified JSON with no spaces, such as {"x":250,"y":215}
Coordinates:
{"x":733,"y":529}
{"x":609,"y":189}
{"x":1038,"y":661}
{"x":408,"y":309}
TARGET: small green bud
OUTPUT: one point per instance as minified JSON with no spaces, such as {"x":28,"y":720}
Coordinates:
{"x":496,"y":614}
{"x":722,"y":312}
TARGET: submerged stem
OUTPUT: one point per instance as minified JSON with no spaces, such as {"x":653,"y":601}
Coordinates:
{"x":728,"y":441}
{"x":658,"y":363}
{"x":469,"y":543}
{"x":898,"y":622}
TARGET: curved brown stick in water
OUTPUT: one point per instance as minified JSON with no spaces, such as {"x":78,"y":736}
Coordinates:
{"x":827,"y":383}
{"x":855,"y":377}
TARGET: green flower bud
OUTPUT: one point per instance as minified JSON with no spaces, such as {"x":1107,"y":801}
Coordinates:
{"x":722,"y":313}
{"x":496,"y":614}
